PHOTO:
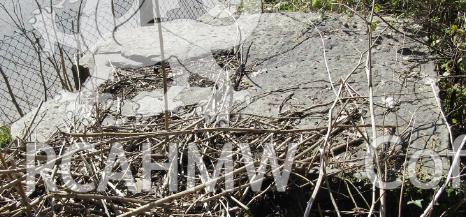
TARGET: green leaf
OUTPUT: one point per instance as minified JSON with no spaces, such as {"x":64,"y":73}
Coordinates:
{"x":418,"y":203}
{"x":453,"y":29}
{"x":5,"y":136}
{"x":316,"y":3}
{"x":377,"y":8}
{"x":374,"y":25}
{"x":284,"y":6}
{"x":450,"y":191}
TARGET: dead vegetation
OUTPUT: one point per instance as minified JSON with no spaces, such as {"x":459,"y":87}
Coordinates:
{"x":117,"y":200}
{"x":337,"y":146}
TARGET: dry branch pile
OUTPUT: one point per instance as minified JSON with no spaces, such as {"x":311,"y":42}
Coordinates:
{"x":341,"y":141}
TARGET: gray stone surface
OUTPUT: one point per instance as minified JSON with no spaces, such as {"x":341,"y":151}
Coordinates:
{"x":65,"y":112}
{"x":294,"y":62}
{"x":182,"y":38}
{"x":286,"y":59}
{"x":147,"y":104}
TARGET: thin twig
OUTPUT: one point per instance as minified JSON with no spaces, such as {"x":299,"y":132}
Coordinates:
{"x":205,"y":130}
{"x":323,"y":157}
{"x":437,"y":195}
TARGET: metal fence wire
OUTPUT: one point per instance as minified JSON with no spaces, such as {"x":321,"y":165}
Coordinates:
{"x":29,"y":77}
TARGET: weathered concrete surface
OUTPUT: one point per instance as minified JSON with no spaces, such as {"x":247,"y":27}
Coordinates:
{"x":147,"y":104}
{"x":183,"y":39}
{"x":298,"y":59}
{"x":287,"y":59}
{"x":67,"y":111}
{"x":403,"y":81}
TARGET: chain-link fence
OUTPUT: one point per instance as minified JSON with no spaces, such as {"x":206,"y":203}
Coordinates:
{"x":31,"y":75}
{"x":25,"y":77}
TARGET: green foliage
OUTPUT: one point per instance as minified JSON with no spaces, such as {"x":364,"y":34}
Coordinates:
{"x":454,"y":98}
{"x":287,"y":6}
{"x":317,"y":3}
{"x":5,"y":136}
{"x":374,"y":25}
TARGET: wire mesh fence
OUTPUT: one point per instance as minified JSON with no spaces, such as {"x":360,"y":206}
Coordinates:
{"x":29,"y":75}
